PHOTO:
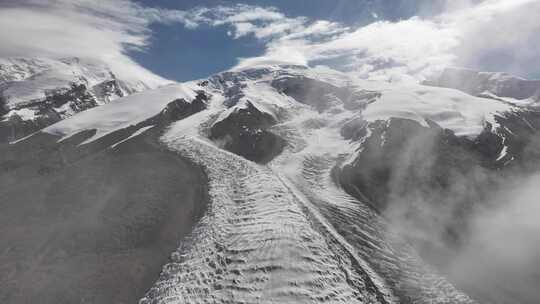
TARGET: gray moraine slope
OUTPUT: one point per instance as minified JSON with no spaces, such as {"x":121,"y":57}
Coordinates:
{"x":81,"y":225}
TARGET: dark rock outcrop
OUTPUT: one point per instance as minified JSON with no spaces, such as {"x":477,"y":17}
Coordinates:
{"x":180,"y":108}
{"x":57,"y":105}
{"x":245,"y":132}
{"x":3,"y":107}
{"x":434,"y":180}
{"x":520,"y":133}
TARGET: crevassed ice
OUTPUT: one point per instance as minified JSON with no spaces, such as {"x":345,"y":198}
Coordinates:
{"x":257,"y":243}
{"x":365,"y":234}
{"x":285,"y":233}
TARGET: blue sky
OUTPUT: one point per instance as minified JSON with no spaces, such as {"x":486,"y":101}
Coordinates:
{"x":388,"y":40}
{"x":183,"y":54}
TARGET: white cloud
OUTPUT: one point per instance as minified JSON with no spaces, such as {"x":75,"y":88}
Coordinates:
{"x":496,"y":34}
{"x":261,"y":22}
{"x":102,"y":30}
{"x":245,"y":13}
{"x":468,"y":33}
{"x":106,"y":30}
{"x":500,"y":35}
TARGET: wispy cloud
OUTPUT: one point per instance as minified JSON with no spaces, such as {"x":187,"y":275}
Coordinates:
{"x":102,"y":30}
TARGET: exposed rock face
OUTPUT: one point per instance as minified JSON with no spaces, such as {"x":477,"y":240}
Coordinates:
{"x":245,"y":132}
{"x":402,"y":162}
{"x":180,"y":108}
{"x":520,"y":134}
{"x":477,"y":83}
{"x":3,"y":107}
{"x":15,"y":127}
{"x":56,"y":105}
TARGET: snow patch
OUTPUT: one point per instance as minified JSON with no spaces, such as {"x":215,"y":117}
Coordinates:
{"x":503,"y":153}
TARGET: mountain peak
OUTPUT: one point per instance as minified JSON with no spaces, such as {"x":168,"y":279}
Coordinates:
{"x":36,"y":92}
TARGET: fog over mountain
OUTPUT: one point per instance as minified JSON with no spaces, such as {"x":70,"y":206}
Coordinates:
{"x":388,"y":160}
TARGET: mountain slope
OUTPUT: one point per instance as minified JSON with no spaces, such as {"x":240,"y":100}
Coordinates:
{"x":38,"y":92}
{"x":313,"y":180}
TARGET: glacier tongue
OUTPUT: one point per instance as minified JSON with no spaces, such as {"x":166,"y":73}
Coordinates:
{"x":284,"y":232}
{"x":256,"y":244}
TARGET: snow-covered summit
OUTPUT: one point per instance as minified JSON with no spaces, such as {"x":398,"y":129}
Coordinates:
{"x":276,"y":89}
{"x":451,"y":108}
{"x":23,"y":80}
{"x":35,"y":92}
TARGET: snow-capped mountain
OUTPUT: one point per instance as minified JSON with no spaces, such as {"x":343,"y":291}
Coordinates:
{"x":486,"y":84}
{"x":36,"y":92}
{"x":319,"y":188}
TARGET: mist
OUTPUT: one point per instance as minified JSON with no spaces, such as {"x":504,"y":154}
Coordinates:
{"x":502,"y":255}
{"x":477,"y":225}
